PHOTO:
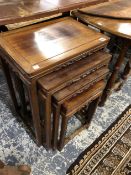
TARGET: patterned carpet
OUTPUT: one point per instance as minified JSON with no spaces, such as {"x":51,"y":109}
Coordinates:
{"x":16,"y":146}
{"x":110,"y":154}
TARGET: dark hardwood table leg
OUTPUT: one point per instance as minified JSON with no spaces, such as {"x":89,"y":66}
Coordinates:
{"x":21,"y":93}
{"x":125,"y":74}
{"x":91,"y":110}
{"x":33,"y":97}
{"x":126,"y":70}
{"x":56,"y":114}
{"x":6,"y":71}
{"x":114,"y":74}
{"x":48,"y":121}
{"x":63,"y":132}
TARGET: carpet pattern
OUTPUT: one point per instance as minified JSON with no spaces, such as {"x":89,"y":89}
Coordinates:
{"x":111,"y":154}
{"x":17,"y":147}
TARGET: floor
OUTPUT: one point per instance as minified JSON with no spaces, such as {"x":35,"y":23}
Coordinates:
{"x":16,"y":146}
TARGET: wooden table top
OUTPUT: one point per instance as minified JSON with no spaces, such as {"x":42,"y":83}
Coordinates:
{"x":13,"y":11}
{"x":117,"y":27}
{"x":120,"y":9}
{"x":37,"y":48}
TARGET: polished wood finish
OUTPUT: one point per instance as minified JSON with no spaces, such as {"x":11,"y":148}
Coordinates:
{"x":118,"y":9}
{"x":80,"y":85}
{"x":12,"y":11}
{"x":115,"y":27}
{"x":60,"y":78}
{"x":68,"y":73}
{"x":68,"y":5}
{"x":36,"y":50}
{"x":71,"y":91}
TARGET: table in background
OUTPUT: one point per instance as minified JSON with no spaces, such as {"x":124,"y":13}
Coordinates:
{"x":120,"y":28}
{"x":119,"y":9}
{"x":12,"y":11}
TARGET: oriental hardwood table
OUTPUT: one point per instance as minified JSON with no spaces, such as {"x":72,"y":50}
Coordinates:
{"x":12,"y":11}
{"x":117,"y":27}
{"x":34,"y":51}
{"x":117,"y":9}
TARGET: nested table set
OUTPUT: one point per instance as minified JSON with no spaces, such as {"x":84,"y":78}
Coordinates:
{"x":114,"y":18}
{"x":54,"y":70}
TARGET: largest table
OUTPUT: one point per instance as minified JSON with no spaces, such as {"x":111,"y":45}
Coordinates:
{"x":13,"y":11}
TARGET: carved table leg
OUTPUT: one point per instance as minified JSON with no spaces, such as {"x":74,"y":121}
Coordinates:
{"x":114,"y":74}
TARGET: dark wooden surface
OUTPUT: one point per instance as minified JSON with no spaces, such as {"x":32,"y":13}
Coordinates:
{"x":82,"y":67}
{"x":73,"y":105}
{"x":121,"y":28}
{"x":12,"y":11}
{"x":38,"y":48}
{"x":80,"y":85}
{"x":120,"y":9}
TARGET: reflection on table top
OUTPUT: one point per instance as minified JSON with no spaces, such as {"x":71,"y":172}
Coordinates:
{"x":117,"y":27}
{"x":114,"y":9}
{"x":12,"y":11}
{"x":43,"y":46}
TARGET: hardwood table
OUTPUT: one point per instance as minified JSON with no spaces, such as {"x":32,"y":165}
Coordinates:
{"x":118,"y":27}
{"x":34,"y":51}
{"x":119,"y":9}
{"x":14,"y":11}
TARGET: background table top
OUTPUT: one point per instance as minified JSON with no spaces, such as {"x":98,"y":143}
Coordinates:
{"x":119,"y":27}
{"x":13,"y":11}
{"x":120,"y":9}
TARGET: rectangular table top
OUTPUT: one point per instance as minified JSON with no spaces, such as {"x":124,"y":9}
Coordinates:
{"x":13,"y":11}
{"x":40,"y":47}
{"x":120,"y":9}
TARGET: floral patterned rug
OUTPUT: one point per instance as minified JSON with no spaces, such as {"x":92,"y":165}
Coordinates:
{"x":110,"y":154}
{"x":17,"y":147}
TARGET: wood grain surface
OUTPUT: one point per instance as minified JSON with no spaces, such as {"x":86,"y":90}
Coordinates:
{"x":12,"y":11}
{"x":43,"y":46}
{"x":118,"y":27}
{"x":120,"y":9}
